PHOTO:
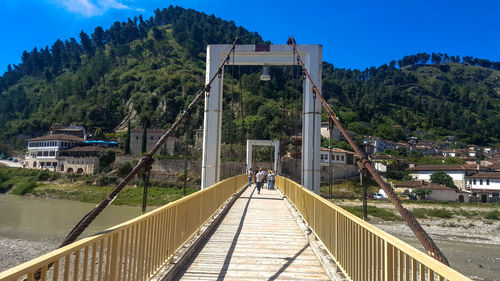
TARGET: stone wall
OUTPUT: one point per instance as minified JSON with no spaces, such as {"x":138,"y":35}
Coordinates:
{"x":168,"y":169}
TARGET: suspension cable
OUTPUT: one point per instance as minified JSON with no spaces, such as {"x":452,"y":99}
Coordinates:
{"x":144,"y":161}
{"x":417,"y":229}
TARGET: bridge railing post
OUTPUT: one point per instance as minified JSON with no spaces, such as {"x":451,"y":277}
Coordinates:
{"x":388,"y":261}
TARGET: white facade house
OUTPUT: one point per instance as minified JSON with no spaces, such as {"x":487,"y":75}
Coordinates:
{"x":43,"y":151}
{"x":485,"y":186}
{"x":456,"y":172}
{"x":343,"y":163}
{"x":438,"y":192}
{"x":62,"y":153}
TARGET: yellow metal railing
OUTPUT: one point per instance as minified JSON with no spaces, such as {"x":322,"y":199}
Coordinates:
{"x":133,"y":250}
{"x":362,"y":251}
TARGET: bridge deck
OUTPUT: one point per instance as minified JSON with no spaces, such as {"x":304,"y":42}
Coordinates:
{"x":257,"y":240}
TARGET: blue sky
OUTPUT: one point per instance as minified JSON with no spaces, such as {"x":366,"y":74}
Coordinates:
{"x":354,"y":34}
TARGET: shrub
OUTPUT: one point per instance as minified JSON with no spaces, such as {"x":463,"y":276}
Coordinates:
{"x":440,"y":213}
{"x":180,"y":177}
{"x":124,"y":169}
{"x":106,"y":180}
{"x":492,"y":215}
{"x":43,"y":175}
{"x":24,"y":188}
{"x":419,"y":213}
{"x":373,"y":211}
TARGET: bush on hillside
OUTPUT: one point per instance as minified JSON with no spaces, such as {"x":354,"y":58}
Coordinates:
{"x":24,"y":188}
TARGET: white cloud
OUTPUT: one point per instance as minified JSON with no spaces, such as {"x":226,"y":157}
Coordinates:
{"x":91,"y":8}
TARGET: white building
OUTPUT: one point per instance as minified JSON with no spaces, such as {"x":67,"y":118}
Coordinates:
{"x":336,"y":133}
{"x":62,"y":153}
{"x":485,"y":186}
{"x":438,"y":192}
{"x":343,"y":163}
{"x":380,"y":162}
{"x":456,"y":172}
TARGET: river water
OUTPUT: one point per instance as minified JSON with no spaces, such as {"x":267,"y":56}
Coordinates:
{"x":31,"y":218}
{"x":31,"y":227}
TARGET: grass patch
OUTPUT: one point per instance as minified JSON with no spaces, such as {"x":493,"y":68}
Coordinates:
{"x":24,"y":188}
{"x":492,"y":215}
{"x":128,"y":196}
{"x":373,"y":211}
{"x":448,"y":224}
{"x":437,"y":213}
{"x":350,"y":188}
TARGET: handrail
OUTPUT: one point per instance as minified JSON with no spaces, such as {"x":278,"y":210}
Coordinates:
{"x":133,"y":250}
{"x":362,"y":251}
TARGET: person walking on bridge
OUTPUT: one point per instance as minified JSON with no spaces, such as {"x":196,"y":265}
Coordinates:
{"x":259,"y":180}
{"x":250,"y":174}
{"x":270,"y":179}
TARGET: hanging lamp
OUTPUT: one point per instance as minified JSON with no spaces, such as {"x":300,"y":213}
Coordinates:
{"x":265,"y":74}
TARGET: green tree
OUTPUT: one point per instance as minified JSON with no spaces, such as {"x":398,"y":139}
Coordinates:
{"x":105,"y":159}
{"x":127,"y":139}
{"x":144,"y":140}
{"x":443,"y":179}
{"x":421,"y":192}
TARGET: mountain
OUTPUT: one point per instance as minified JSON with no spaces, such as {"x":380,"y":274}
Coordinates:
{"x":147,"y":71}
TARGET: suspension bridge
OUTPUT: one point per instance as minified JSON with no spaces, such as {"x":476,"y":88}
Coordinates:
{"x":226,"y":231}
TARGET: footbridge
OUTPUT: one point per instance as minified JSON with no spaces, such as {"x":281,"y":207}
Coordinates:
{"x":227,"y":231}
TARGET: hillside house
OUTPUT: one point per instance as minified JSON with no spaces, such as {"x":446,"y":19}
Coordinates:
{"x":484,"y":186}
{"x":336,"y":133}
{"x":343,"y":163}
{"x":152,"y":136}
{"x":438,"y":192}
{"x":380,"y":162}
{"x":456,"y":172}
{"x":62,"y":153}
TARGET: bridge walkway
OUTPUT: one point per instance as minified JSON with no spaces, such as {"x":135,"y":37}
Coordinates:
{"x":257,"y":240}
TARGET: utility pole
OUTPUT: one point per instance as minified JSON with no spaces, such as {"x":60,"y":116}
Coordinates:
{"x":330,"y":167}
{"x":363,"y":176}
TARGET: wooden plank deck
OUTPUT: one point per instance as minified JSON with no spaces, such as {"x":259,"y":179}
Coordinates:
{"x":257,"y":240}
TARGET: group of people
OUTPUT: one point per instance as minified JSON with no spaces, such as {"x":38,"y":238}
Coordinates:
{"x":260,"y":177}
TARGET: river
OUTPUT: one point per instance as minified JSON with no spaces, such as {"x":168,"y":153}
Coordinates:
{"x":32,"y":226}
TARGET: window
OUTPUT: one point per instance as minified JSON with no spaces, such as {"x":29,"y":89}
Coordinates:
{"x":474,"y":193}
{"x":495,"y":194}
{"x":337,"y":157}
{"x":136,"y":137}
{"x":342,"y":158}
{"x":488,"y":182}
{"x":480,"y":182}
{"x":151,"y":137}
{"x":474,"y":181}
{"x":470,"y":182}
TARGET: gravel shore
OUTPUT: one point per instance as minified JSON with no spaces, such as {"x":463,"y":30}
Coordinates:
{"x":16,"y":251}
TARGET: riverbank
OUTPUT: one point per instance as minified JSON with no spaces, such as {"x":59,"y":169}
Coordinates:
{"x":466,"y":233}
{"x":86,"y":188}
{"x":458,"y":222}
{"x":16,"y":251}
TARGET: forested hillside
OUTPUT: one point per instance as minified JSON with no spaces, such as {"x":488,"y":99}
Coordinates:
{"x":147,"y":71}
{"x":429,"y":101}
